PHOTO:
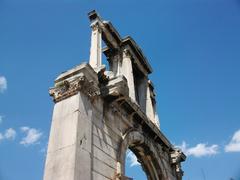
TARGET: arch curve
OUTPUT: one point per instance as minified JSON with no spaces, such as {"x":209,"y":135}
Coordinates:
{"x":146,"y":153}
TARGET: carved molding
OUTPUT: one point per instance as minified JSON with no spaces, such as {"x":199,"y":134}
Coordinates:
{"x":116,"y":87}
{"x":67,"y":88}
{"x":96,"y":27}
{"x":177,"y":157}
{"x":126,"y":53}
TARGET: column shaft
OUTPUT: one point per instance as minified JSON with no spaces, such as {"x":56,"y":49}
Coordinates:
{"x":127,"y":71}
{"x":96,"y":47}
{"x":149,"y":106}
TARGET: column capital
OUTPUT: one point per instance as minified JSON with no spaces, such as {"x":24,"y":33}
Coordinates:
{"x":126,"y":53}
{"x":69,"y":88}
{"x":177,"y":156}
{"x":96,"y":26}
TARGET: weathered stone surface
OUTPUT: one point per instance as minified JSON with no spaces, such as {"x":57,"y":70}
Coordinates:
{"x":98,"y":115}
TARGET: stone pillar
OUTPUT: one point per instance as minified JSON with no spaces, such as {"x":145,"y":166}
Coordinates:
{"x":127,"y":71}
{"x":64,"y":157}
{"x":96,"y":46}
{"x":150,"y":106}
{"x":115,"y":65}
{"x":177,"y":156}
{"x":69,"y":154}
{"x":142,"y":91}
{"x":151,"y":111}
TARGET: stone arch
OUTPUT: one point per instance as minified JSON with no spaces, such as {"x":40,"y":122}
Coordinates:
{"x":146,"y":153}
{"x":99,"y":107}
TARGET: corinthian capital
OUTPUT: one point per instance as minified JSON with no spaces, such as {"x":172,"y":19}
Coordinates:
{"x":67,"y":88}
{"x":96,"y":26}
{"x":126,"y":53}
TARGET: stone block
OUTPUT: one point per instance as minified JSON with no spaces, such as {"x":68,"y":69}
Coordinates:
{"x":104,"y":146}
{"x":60,"y":164}
{"x":103,"y":156}
{"x":101,"y":167}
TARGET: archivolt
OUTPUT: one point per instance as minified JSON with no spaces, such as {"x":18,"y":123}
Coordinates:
{"x":147,"y":155}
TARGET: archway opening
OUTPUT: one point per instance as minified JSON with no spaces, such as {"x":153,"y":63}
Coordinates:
{"x":133,"y":169}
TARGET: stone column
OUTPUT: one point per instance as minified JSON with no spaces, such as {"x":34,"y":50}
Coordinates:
{"x":69,"y":154}
{"x":115,"y":63}
{"x":127,"y":71}
{"x":63,"y":155}
{"x":149,"y":106}
{"x":96,"y":46}
{"x":151,"y":111}
{"x":142,"y":89}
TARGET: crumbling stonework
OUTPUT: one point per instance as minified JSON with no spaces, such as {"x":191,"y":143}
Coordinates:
{"x":99,"y":114}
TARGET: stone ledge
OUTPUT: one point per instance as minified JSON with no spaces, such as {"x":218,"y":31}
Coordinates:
{"x":84,"y":68}
{"x":116,"y":87}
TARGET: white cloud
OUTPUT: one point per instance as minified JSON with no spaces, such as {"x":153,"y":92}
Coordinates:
{"x":32,"y":136}
{"x":10,"y":134}
{"x":44,"y":149}
{"x":132,"y":159}
{"x":3,"y":84}
{"x":24,"y":128}
{"x":234,"y":145}
{"x":199,"y":150}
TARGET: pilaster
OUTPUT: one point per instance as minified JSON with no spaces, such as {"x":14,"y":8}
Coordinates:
{"x":127,"y":71}
{"x":142,"y":91}
{"x":96,"y":46}
{"x":150,"y":106}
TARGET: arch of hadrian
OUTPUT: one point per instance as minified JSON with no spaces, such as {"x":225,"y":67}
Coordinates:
{"x":99,"y":114}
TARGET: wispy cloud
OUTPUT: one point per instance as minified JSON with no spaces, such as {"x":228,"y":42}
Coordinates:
{"x":200,"y":150}
{"x":32,"y":136}
{"x":9,"y":134}
{"x":3,"y":84}
{"x":234,"y":144}
{"x":44,"y":149}
{"x":132,"y":159}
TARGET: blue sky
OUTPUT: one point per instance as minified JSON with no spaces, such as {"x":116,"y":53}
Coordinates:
{"x":192,"y":45}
